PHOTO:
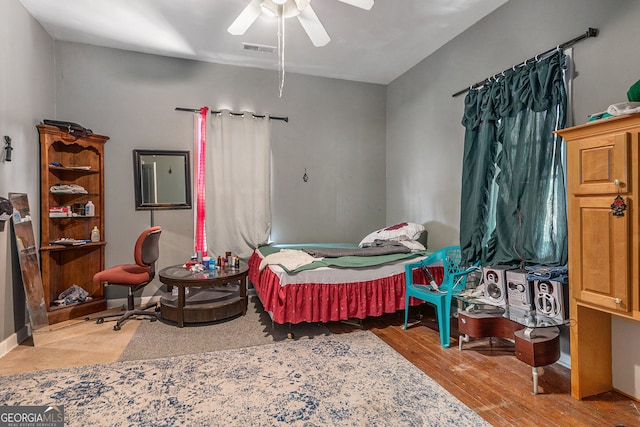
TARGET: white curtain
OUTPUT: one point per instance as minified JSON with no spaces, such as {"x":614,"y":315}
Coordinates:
{"x":238,"y":183}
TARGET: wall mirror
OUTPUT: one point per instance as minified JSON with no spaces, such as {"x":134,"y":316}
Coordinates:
{"x":28,"y":257}
{"x":162,"y":179}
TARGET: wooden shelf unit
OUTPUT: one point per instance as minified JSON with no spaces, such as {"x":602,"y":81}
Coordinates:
{"x":604,"y":249}
{"x":82,"y":163}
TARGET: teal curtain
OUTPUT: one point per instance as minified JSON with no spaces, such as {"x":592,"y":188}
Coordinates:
{"x":513,"y":202}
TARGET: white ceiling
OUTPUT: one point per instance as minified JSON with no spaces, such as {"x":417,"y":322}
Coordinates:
{"x":373,"y":46}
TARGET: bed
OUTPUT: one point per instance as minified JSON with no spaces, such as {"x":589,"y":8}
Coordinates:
{"x":335,"y":288}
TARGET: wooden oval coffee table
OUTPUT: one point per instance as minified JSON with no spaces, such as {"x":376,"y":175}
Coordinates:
{"x":212,"y":294}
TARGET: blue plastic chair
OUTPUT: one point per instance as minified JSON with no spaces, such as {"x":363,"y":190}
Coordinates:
{"x":453,"y":282}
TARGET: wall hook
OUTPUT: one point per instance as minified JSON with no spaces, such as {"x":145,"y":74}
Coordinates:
{"x":8,"y":148}
{"x":305,"y":177}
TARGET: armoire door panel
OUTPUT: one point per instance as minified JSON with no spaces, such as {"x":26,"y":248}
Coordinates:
{"x":602,"y":165}
{"x":604,"y":267}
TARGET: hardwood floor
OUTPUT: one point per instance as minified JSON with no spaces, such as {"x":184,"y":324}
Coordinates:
{"x":491,"y":381}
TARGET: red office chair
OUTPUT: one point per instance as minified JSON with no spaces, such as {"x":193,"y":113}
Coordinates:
{"x":134,"y":276}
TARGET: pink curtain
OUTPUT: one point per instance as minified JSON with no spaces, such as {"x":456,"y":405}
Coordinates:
{"x":200,"y":150}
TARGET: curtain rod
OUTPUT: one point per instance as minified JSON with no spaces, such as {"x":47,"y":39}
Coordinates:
{"x":257,"y":116}
{"x":591,"y":32}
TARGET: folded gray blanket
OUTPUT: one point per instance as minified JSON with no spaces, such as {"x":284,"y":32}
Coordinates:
{"x":384,"y":247}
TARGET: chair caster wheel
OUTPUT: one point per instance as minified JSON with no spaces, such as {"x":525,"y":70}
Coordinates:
{"x":116,"y":327}
{"x":99,"y":320}
{"x":290,"y":335}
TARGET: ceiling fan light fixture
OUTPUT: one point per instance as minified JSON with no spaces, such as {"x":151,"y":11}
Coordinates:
{"x":286,"y":8}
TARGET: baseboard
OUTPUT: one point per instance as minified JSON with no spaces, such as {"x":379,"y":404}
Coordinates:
{"x":13,"y":340}
{"x":565,"y":360}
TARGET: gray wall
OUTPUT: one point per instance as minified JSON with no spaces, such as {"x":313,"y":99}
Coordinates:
{"x":26,"y":97}
{"x":424,"y":134}
{"x":336,"y":130}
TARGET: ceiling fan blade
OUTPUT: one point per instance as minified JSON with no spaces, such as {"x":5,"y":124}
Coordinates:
{"x":247,"y":17}
{"x":312,"y":25}
{"x":362,"y":4}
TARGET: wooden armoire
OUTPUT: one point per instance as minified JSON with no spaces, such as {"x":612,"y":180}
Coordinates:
{"x":604,"y":243}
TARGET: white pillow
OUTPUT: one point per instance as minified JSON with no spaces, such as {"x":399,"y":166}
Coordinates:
{"x":397,"y":232}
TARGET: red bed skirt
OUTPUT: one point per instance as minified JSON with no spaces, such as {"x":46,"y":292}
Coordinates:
{"x":320,"y":302}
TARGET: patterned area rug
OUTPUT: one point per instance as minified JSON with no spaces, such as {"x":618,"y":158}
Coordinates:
{"x":351,"y":379}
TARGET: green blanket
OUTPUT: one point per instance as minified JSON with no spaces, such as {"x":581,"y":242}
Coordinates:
{"x":345,"y":261}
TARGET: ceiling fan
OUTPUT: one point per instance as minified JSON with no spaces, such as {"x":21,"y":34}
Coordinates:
{"x":288,"y":9}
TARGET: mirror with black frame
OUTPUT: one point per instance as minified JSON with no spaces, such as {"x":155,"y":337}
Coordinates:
{"x":162,"y":179}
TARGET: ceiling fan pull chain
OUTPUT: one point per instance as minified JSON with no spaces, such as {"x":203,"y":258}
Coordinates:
{"x":281,"y":51}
